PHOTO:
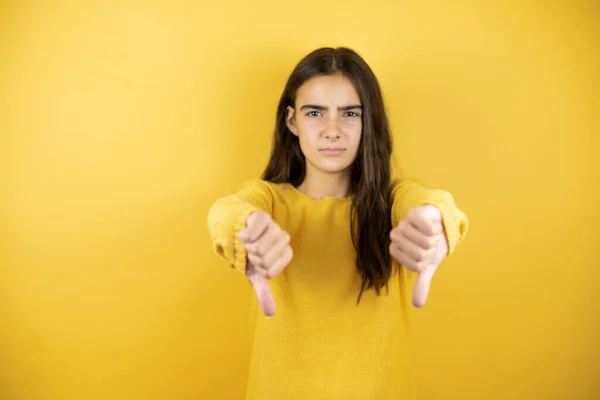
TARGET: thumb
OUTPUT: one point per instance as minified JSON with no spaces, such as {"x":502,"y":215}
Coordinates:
{"x":265,"y":297}
{"x":421,"y":289}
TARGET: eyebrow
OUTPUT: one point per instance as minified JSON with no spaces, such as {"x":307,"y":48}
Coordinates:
{"x":323,"y":108}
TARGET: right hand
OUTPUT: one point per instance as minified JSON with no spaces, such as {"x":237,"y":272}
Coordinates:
{"x":268,"y":253}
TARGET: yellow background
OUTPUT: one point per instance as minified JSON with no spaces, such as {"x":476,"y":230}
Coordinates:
{"x":121,"y":122}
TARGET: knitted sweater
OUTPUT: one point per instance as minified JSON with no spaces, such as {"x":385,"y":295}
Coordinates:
{"x":320,"y":344}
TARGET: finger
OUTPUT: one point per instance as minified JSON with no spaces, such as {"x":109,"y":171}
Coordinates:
{"x":422,"y":286}
{"x":253,"y":269}
{"x":261,"y":245}
{"x":409,"y":231}
{"x":405,"y":260}
{"x":257,"y":262}
{"x":267,"y":240}
{"x":280,"y":263}
{"x":255,"y":229}
{"x":397,"y":231}
{"x":276,"y":250}
{"x":426,"y":219}
{"x":413,"y":250}
{"x":264,"y":295}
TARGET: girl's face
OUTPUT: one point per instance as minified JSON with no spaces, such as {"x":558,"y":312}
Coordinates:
{"x":327,"y":119}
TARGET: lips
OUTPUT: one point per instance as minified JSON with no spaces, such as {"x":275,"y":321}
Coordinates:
{"x":332,"y":151}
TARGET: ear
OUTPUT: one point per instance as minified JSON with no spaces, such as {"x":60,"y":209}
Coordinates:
{"x":290,"y":120}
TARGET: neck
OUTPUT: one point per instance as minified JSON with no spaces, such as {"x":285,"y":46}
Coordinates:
{"x":319,"y":185}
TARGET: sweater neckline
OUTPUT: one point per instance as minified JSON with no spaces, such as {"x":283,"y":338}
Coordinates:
{"x":319,"y":201}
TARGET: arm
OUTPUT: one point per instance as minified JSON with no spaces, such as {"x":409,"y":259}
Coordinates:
{"x":409,"y":194}
{"x":427,"y":226}
{"x":227,"y":217}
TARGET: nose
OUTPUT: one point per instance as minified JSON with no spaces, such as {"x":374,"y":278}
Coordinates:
{"x":332,"y":129}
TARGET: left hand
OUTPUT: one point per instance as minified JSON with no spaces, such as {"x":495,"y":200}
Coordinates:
{"x":419,"y":243}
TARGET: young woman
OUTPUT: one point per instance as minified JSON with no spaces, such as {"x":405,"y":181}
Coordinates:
{"x":330,"y":239}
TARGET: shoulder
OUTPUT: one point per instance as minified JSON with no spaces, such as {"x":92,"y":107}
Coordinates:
{"x":263,"y":185}
{"x":274,"y":191}
{"x":257,"y":186}
{"x":400,"y":186}
{"x":255,"y":191}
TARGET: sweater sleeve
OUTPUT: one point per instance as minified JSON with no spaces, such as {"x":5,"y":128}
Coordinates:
{"x":227,"y":217}
{"x":409,"y":193}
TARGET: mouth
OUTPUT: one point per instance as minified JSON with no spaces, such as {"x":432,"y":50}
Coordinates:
{"x":332,"y":151}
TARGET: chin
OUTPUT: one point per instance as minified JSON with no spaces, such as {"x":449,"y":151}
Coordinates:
{"x":334,"y":167}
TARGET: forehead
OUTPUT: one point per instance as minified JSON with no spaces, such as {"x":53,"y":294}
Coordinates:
{"x":327,"y":89}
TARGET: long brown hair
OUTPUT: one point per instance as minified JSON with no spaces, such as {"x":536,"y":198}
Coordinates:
{"x":370,"y":213}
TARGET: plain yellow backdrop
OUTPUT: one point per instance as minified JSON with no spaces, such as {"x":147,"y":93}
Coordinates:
{"x":122,"y":121}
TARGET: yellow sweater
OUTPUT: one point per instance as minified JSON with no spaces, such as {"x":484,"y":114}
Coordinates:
{"x":320,"y":344}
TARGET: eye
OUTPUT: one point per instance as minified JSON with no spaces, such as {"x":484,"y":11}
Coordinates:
{"x":313,"y":113}
{"x":351,"y":114}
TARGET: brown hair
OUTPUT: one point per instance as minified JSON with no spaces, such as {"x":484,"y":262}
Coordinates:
{"x":370,"y":213}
